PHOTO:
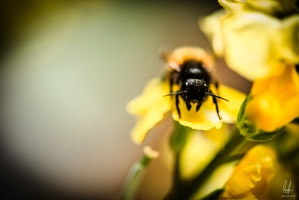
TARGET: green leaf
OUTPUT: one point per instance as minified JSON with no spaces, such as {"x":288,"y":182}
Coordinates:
{"x":241,"y":115}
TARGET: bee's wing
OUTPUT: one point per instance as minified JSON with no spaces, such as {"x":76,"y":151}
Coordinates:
{"x":171,"y":62}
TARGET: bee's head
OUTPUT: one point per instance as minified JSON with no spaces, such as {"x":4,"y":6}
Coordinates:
{"x":196,"y":90}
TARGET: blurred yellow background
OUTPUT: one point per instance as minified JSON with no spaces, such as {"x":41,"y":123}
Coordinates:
{"x":67,"y":70}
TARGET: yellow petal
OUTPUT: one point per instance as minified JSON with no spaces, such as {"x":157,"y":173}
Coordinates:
{"x":273,"y":7}
{"x":219,"y":136}
{"x":253,"y":42}
{"x":229,"y":109}
{"x":204,"y":119}
{"x":289,"y":40}
{"x":231,"y":5}
{"x":245,"y":196}
{"x":150,"y":107}
{"x":249,"y":48}
{"x":257,"y":165}
{"x":243,"y":181}
{"x":275,"y":99}
{"x":205,"y":144}
{"x":211,"y":26}
{"x":191,"y":163}
{"x":266,"y":6}
{"x":207,"y":118}
{"x":264,"y":111}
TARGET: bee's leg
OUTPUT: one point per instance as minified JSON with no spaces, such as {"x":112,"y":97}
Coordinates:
{"x":177,"y":105}
{"x":173,"y":79}
{"x":217,"y":108}
{"x":198,"y":106}
{"x":188,"y":105}
{"x":216,"y":83}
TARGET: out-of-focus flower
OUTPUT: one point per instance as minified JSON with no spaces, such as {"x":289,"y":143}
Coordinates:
{"x":252,"y":175}
{"x":276,"y":7}
{"x":274,"y":100}
{"x":271,"y":105}
{"x":150,"y":153}
{"x":150,"y":108}
{"x":259,"y":40}
{"x":136,"y":173}
{"x":152,"y":105}
{"x":253,"y":42}
{"x":206,"y":144}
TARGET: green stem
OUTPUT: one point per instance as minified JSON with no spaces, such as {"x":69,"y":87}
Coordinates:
{"x":187,"y":190}
{"x":179,"y":137}
{"x":218,"y":160}
{"x":134,"y":178}
{"x":234,"y":158}
{"x":177,"y":177}
{"x":177,"y":142}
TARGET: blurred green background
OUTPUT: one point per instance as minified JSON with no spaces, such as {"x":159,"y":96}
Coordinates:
{"x":67,"y":70}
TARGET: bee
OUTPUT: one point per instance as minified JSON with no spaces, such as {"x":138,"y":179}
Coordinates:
{"x":190,"y":71}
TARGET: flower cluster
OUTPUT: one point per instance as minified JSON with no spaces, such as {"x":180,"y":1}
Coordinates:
{"x":260,"y":41}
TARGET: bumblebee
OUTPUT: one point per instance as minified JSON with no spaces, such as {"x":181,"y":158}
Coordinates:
{"x":190,"y":71}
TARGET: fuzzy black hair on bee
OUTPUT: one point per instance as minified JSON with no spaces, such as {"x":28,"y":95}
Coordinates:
{"x":194,"y":84}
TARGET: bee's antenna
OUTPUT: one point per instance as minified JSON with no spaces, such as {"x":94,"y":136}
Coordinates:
{"x":175,"y":93}
{"x":213,"y":95}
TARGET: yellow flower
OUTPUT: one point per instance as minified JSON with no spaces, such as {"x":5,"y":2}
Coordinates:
{"x":152,"y":105}
{"x":150,"y":108}
{"x":206,"y":144}
{"x":276,"y":7}
{"x":259,"y":40}
{"x":252,"y":42}
{"x":274,"y":100}
{"x":252,"y":175}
